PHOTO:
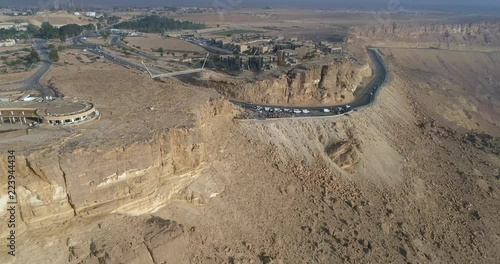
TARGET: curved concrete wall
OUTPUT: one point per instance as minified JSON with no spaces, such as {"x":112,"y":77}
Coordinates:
{"x":18,"y":112}
{"x":62,"y":119}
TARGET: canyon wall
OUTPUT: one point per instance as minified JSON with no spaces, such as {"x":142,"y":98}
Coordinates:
{"x":56,"y":184}
{"x":318,"y":83}
{"x":461,"y":36}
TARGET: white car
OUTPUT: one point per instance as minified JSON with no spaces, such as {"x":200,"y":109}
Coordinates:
{"x":305,"y":111}
{"x":297,"y":111}
{"x":326,"y":110}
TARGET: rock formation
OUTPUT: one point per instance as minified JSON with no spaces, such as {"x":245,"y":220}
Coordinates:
{"x":55,"y":185}
{"x":481,"y":36}
{"x":317,"y":83}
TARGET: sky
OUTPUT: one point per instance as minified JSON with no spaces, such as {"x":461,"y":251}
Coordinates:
{"x":312,"y":4}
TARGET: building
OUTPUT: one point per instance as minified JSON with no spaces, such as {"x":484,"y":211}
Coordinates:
{"x":231,"y":62}
{"x":331,"y":49}
{"x":258,"y":49}
{"x":236,"y":48}
{"x":49,"y":112}
{"x":269,"y":62}
{"x":7,"y":43}
{"x":90,"y":14}
{"x":286,"y":57}
{"x":18,"y":26}
{"x":261,"y":63}
{"x":302,"y":52}
{"x":243,"y":47}
{"x":119,"y":31}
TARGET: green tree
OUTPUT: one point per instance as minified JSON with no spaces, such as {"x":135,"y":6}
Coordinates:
{"x":32,"y":30}
{"x":33,"y":57}
{"x":113,"y":20}
{"x":157,"y":24}
{"x":54,"y":55}
{"x":105,"y":35}
{"x":48,"y":31}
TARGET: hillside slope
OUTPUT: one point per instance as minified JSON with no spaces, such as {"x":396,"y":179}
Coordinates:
{"x":384,"y":184}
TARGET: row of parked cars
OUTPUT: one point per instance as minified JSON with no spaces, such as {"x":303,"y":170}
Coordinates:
{"x":338,"y":110}
{"x":261,"y":109}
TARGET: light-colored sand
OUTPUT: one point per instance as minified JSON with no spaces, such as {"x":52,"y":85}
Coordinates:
{"x":12,"y":77}
{"x":155,"y":41}
{"x":463,"y":88}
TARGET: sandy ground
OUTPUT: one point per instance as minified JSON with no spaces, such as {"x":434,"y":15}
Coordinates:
{"x":9,"y":87}
{"x":11,"y":77}
{"x":54,"y":19}
{"x":381,"y":185}
{"x":15,"y":47}
{"x":58,"y":19}
{"x":100,"y":41}
{"x":462,"y":87}
{"x":16,"y":76}
{"x":122,"y":94}
{"x":231,"y":17}
{"x":154,"y":41}
{"x":374,"y":186}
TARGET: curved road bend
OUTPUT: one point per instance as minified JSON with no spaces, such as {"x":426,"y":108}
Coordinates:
{"x":115,"y":41}
{"x":364,"y":96}
{"x":96,"y":50}
{"x":33,"y":82}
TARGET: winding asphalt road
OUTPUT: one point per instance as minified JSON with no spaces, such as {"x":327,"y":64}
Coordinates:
{"x":33,"y":82}
{"x":364,"y":97}
{"x":115,"y":41}
{"x":96,"y":50}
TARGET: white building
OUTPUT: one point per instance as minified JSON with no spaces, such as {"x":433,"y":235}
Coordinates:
{"x":76,"y":13}
{"x":7,"y":43}
{"x":18,"y":26}
{"x":90,"y":14}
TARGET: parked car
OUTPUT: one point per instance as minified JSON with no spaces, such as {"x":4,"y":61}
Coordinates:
{"x":297,"y":111}
{"x":326,"y":110}
{"x":305,"y":111}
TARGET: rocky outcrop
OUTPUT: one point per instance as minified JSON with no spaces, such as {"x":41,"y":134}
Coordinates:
{"x":54,"y":185}
{"x":319,"y":83}
{"x":484,"y":35}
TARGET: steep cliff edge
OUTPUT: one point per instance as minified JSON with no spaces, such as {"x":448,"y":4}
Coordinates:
{"x":308,"y":84}
{"x":484,"y":36}
{"x":57,"y":184}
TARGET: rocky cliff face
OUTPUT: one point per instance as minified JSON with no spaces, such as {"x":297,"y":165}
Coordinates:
{"x":485,"y":35}
{"x":54,"y":185}
{"x":317,"y":83}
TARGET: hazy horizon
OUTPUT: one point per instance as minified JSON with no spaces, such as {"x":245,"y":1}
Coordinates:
{"x":312,"y":4}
